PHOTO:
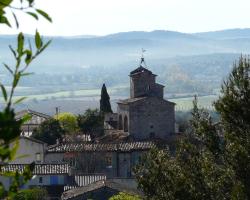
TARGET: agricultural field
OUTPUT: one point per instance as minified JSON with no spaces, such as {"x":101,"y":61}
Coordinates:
{"x":184,"y":104}
{"x":77,"y":101}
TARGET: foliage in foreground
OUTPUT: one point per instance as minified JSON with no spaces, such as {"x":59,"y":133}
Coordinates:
{"x":211,"y":161}
{"x":31,"y":194}
{"x":23,"y":55}
{"x":124,"y":196}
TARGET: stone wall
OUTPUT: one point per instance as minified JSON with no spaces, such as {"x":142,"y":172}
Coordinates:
{"x":152,"y":118}
{"x":29,"y":151}
{"x":140,"y":84}
{"x":112,"y":164}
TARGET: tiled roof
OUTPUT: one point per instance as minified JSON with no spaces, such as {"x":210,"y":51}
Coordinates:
{"x":114,"y":136}
{"x":140,"y":70}
{"x":77,"y":192}
{"x":80,"y":147}
{"x":79,"y":138}
{"x":32,"y":139}
{"x":20,"y":114}
{"x":40,"y":169}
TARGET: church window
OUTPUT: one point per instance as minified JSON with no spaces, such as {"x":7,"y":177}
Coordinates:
{"x":152,"y":135}
{"x":120,"y":122}
{"x":125,"y":124}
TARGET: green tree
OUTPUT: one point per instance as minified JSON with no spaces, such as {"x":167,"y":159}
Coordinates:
{"x":124,"y":196}
{"x":91,"y":122}
{"x":49,"y":131}
{"x":23,"y":56}
{"x":234,"y":109}
{"x":105,"y":106}
{"x":68,"y":122}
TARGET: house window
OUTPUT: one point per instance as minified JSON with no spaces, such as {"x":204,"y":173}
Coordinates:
{"x":38,"y":157}
{"x":120,"y":122}
{"x":108,"y":161}
{"x":40,"y":179}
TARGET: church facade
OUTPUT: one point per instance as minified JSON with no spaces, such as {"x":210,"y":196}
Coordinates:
{"x":146,"y":114}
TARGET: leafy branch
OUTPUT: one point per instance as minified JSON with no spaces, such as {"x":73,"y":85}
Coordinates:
{"x":10,"y":127}
{"x":26,"y":6}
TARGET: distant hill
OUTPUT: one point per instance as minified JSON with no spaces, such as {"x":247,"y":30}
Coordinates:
{"x":225,"y":34}
{"x":186,"y":63}
{"x":70,"y":53}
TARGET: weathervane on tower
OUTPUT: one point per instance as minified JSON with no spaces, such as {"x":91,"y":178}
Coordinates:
{"x":142,"y":58}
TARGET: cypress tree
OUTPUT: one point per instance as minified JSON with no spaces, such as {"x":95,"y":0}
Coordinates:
{"x":105,"y":106}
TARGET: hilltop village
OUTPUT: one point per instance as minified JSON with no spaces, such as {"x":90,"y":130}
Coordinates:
{"x":85,"y":167}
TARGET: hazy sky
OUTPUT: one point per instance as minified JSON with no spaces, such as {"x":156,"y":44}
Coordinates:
{"x":100,"y":17}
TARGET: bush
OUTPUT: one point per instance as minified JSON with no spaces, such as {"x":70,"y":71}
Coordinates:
{"x":32,"y":194}
{"x":124,"y":196}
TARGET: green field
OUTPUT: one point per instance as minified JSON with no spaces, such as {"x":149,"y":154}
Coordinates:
{"x":94,"y":95}
{"x":72,"y":94}
{"x":186,"y":103}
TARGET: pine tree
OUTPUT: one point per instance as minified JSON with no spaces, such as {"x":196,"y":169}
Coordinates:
{"x":234,"y":109}
{"x":105,"y":106}
{"x":197,"y":170}
{"x":210,"y":161}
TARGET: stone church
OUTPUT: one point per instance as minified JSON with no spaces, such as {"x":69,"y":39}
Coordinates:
{"x":146,"y":114}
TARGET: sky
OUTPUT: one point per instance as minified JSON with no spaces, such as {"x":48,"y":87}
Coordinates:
{"x":102,"y":17}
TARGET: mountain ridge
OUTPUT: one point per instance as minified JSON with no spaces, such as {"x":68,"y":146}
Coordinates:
{"x":245,"y":32}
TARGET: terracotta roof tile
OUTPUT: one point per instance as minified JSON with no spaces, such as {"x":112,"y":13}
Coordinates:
{"x":40,"y":169}
{"x":80,"y":147}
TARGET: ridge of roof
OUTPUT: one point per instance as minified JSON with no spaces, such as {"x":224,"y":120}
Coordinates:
{"x":29,"y":111}
{"x":139,"y":70}
{"x":136,"y":99}
{"x":32,"y":139}
{"x":131,"y":100}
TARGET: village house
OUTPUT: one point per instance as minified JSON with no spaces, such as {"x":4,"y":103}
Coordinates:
{"x":36,"y":119}
{"x":29,"y":150}
{"x":91,"y":168}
